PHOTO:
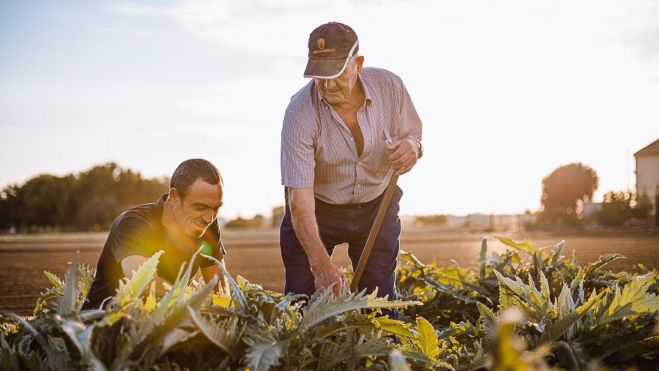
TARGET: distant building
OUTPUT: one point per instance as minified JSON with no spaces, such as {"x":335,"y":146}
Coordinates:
{"x":494,"y":222}
{"x":647,"y":171}
{"x":590,"y":210}
{"x":257,"y":222}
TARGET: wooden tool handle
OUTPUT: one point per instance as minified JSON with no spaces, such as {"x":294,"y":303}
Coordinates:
{"x":375,"y":229}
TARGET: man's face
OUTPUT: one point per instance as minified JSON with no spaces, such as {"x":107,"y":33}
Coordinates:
{"x":339,"y":90}
{"x":198,"y":209}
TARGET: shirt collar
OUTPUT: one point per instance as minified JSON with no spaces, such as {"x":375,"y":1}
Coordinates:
{"x":360,"y":79}
{"x":367,"y":92}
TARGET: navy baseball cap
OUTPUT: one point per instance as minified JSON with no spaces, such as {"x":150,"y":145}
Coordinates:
{"x":330,"y":46}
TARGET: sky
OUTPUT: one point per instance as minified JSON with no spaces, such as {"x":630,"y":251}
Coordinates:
{"x":507,"y":90}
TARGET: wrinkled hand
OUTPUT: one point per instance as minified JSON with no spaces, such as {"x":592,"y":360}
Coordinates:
{"x":402,"y":155}
{"x":327,"y":274}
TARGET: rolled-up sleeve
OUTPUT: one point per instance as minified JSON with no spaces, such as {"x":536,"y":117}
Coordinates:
{"x":297,"y":152}
{"x":130,"y":236}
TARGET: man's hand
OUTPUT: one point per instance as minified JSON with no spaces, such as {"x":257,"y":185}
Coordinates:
{"x":222,"y":284}
{"x":303,"y":216}
{"x":326,"y":274}
{"x":402,"y":155}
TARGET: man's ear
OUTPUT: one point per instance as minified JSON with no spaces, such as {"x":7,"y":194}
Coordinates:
{"x":360,"y":63}
{"x":173,"y":195}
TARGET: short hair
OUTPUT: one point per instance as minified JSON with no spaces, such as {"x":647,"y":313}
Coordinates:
{"x":190,"y":170}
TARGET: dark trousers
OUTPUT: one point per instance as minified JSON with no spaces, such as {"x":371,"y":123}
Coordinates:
{"x":351,"y":225}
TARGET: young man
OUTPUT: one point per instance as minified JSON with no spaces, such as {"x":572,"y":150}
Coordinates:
{"x":178,"y":223}
{"x":336,"y":163}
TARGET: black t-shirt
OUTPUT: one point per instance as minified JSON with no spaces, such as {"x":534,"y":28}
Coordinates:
{"x":139,"y":231}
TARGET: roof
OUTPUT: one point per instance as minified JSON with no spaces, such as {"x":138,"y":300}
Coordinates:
{"x":650,"y":150}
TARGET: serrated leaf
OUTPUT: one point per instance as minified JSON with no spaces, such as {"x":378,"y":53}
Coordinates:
{"x":224,"y":338}
{"x":559,"y":328}
{"x":80,"y":336}
{"x":634,"y":299}
{"x":55,"y":281}
{"x":525,"y":245}
{"x":324,"y":306}
{"x":602,"y":261}
{"x":261,"y":356}
{"x":489,"y":319}
{"x":131,"y":288}
{"x":67,"y":303}
{"x":544,"y":287}
{"x":395,"y":327}
{"x":558,"y":250}
{"x":150,"y":303}
{"x":523,"y":294}
{"x":426,"y":338}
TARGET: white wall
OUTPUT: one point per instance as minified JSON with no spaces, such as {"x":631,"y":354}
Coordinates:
{"x":647,"y":175}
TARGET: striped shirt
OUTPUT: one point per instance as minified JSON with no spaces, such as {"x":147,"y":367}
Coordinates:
{"x":318,"y":151}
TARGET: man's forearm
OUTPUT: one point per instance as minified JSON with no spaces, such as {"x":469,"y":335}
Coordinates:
{"x":302,"y":207}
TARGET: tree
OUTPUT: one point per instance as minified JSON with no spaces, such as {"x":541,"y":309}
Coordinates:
{"x":98,"y":213}
{"x":616,"y":209}
{"x":619,"y":207}
{"x":642,"y":206}
{"x":40,"y":200}
{"x":564,"y":191}
{"x":9,"y":205}
{"x":88,"y":200}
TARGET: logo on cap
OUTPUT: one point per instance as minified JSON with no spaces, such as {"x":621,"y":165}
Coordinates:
{"x":321,"y":43}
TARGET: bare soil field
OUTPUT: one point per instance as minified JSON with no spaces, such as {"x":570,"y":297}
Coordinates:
{"x":255,"y":255}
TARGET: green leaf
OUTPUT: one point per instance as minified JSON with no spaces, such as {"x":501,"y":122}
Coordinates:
{"x":602,"y":261}
{"x":395,"y":327}
{"x":525,"y":245}
{"x":523,"y":295}
{"x":67,"y":303}
{"x":159,"y":339}
{"x":489,"y":319}
{"x":559,"y":328}
{"x":339,"y":327}
{"x":544,"y":287}
{"x":236,"y":292}
{"x":634,"y":299}
{"x":80,"y":336}
{"x":263,"y":355}
{"x":224,"y":335}
{"x":449,"y":291}
{"x":324,"y":306}
{"x":55,"y":281}
{"x":56,"y":360}
{"x":131,"y":289}
{"x":483,"y":259}
{"x":426,"y":338}
{"x":566,"y":307}
{"x":558,"y":250}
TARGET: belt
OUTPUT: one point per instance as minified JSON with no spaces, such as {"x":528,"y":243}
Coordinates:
{"x":348,"y":206}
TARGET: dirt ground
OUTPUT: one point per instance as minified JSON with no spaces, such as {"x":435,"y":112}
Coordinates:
{"x":255,"y":255}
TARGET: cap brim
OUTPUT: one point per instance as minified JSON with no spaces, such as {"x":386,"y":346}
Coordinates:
{"x":324,"y":68}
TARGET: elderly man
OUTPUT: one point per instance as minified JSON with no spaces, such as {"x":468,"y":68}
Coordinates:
{"x":178,"y":223}
{"x":336,"y":163}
